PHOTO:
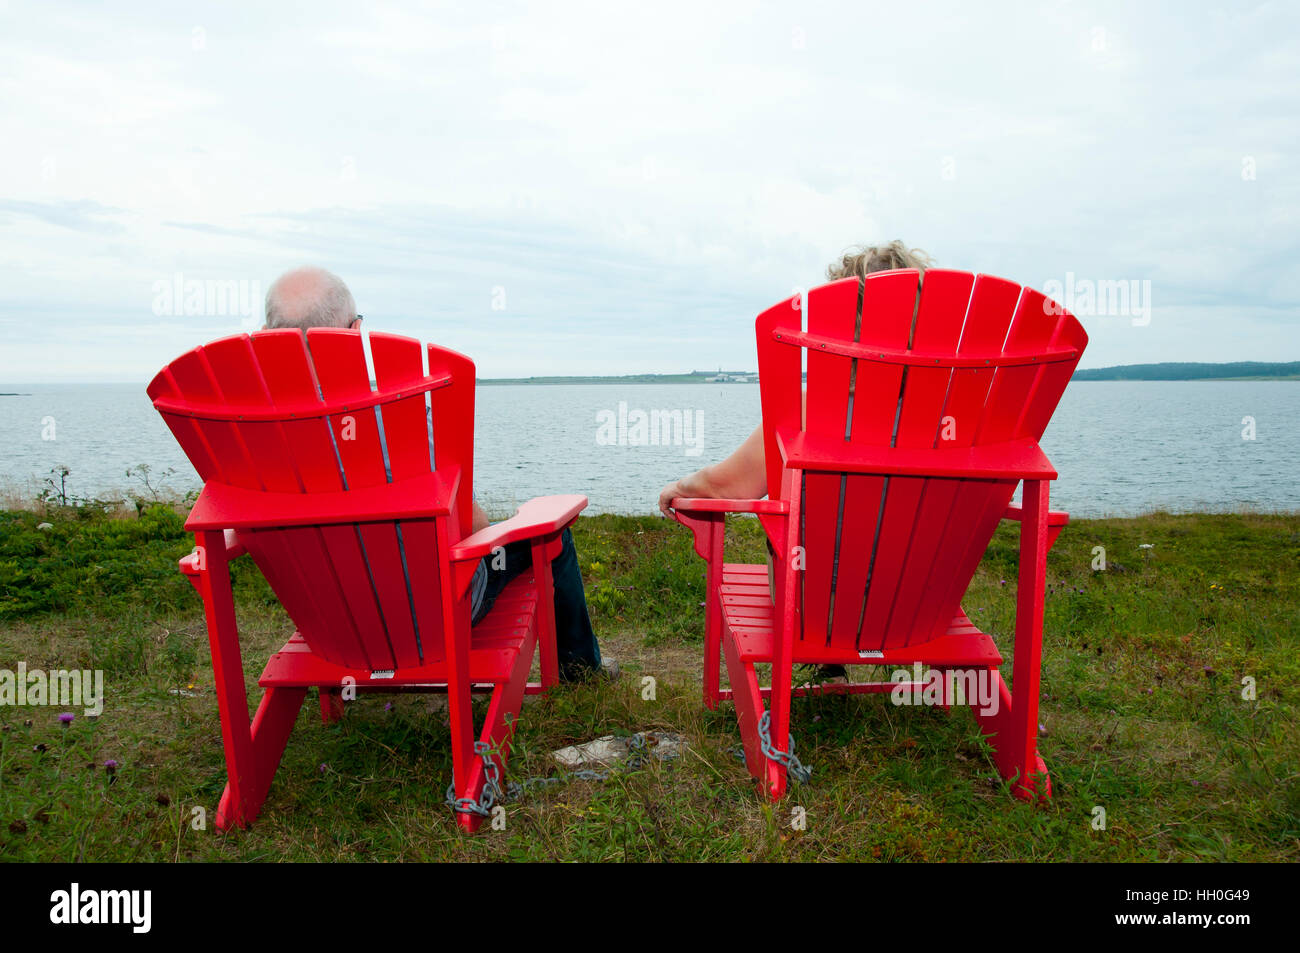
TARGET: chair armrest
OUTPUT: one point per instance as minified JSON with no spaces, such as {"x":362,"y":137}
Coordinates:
{"x":690,"y":504}
{"x":702,"y":516}
{"x":541,"y":516}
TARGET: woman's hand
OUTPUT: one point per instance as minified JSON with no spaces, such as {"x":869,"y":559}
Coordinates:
{"x":667,"y":495}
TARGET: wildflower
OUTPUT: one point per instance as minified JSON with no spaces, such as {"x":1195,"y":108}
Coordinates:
{"x":110,"y":766}
{"x":323,"y":768}
{"x":66,"y":717}
{"x":388,"y":707}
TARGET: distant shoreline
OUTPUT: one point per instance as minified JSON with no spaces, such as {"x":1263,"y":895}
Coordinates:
{"x":1168,"y":371}
{"x":1183,"y":371}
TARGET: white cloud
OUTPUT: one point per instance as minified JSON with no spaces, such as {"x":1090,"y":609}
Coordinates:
{"x":641,"y":180}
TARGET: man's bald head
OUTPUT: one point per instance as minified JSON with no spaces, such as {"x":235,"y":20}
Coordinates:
{"x":310,"y":298}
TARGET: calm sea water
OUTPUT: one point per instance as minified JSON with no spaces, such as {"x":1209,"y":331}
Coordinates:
{"x":1120,"y":447}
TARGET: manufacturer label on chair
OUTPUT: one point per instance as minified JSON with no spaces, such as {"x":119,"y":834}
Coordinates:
{"x":383,"y":673}
{"x":871,"y":653}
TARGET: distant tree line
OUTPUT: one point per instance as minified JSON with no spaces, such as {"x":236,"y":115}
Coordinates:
{"x":1189,"y":372}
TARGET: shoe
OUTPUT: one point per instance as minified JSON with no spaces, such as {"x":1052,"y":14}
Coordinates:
{"x":832,"y":674}
{"x":609,"y":672}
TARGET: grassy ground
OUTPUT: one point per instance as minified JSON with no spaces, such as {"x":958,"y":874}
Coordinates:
{"x":1142,"y":712}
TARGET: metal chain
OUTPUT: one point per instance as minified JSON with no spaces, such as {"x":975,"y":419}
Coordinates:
{"x":793,"y":766}
{"x":493,"y":793}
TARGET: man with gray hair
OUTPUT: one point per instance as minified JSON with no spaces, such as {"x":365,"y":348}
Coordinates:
{"x":312,"y":297}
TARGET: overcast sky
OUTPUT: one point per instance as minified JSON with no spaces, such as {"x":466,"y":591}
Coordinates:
{"x":619,"y":188}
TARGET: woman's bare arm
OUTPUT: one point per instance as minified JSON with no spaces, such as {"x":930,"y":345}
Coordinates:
{"x":742,"y":476}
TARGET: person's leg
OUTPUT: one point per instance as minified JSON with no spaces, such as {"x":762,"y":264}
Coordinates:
{"x":575,"y":641}
{"x":500,"y":570}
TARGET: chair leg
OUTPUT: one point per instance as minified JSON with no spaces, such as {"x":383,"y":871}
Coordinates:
{"x":213,"y":583}
{"x":498,"y":728}
{"x":549,"y":661}
{"x":713,"y":540}
{"x":271,"y":727}
{"x":466,"y":768}
{"x":1013,"y":730}
{"x":748,"y":697}
{"x":777,"y":777}
{"x":331,"y":705}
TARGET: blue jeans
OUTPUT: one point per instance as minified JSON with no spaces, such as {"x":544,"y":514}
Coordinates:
{"x":575,"y":642}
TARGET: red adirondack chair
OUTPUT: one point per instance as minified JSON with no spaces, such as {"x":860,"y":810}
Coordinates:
{"x":295,"y":449}
{"x":923,"y":413}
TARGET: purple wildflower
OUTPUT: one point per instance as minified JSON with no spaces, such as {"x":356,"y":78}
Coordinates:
{"x":66,"y":717}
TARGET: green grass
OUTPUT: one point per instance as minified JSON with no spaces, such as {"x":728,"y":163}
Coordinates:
{"x":1142,"y":708}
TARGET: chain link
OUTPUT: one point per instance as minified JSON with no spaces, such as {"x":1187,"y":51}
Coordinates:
{"x":793,"y":766}
{"x":493,"y":793}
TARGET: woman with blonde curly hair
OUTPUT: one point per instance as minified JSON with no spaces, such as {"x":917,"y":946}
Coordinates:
{"x":742,"y":476}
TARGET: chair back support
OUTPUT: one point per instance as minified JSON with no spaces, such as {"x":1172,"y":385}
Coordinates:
{"x":949,"y":362}
{"x":280,"y":412}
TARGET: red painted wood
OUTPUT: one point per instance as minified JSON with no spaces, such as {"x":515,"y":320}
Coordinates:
{"x":289,"y":443}
{"x":320,"y":607}
{"x":1027,"y":666}
{"x":780,"y":385}
{"x":828,"y":345}
{"x":545,"y":614}
{"x":228,"y":675}
{"x":258,"y":411}
{"x":939,"y":321}
{"x":988,"y":315}
{"x":452,"y":409}
{"x":498,"y":728}
{"x":1015,"y":459}
{"x":702,"y":505}
{"x":331,"y":705}
{"x":1013,"y":393}
{"x":832,"y":314}
{"x":994,"y":359}
{"x":542,"y":516}
{"x":271,"y":726}
{"x":341,"y":373}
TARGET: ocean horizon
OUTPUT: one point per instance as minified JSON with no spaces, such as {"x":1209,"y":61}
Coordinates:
{"x":1121,"y":447}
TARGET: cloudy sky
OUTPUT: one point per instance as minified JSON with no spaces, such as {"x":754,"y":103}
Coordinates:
{"x":619,"y":188}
